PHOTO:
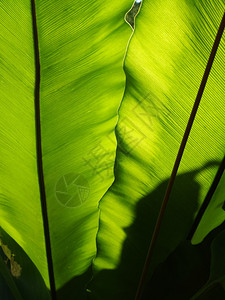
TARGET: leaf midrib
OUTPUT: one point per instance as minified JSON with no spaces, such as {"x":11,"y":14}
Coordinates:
{"x":39,"y":151}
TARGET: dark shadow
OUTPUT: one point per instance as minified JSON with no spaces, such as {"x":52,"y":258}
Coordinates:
{"x":186,"y":271}
{"x":30,"y":283}
{"x":5,"y":292}
{"x":183,"y":205}
{"x":75,"y":289}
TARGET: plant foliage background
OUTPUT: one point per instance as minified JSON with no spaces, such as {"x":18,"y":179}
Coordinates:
{"x":112,"y":106}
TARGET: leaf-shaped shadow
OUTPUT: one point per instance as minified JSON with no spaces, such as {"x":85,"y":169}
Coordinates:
{"x":183,"y":205}
{"x":188,"y":270}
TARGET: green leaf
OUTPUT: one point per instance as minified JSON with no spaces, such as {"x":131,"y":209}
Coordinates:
{"x":165,"y":63}
{"x":20,"y":206}
{"x":62,"y":158}
{"x":81,"y":46}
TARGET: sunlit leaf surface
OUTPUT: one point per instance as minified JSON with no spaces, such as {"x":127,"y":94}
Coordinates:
{"x":110,"y":132}
{"x":165,"y":63}
{"x":82,"y":47}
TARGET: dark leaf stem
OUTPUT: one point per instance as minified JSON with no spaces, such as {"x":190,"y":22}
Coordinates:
{"x":39,"y":153}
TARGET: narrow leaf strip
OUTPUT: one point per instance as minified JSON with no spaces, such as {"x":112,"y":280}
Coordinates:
{"x":207,"y":199}
{"x":39,"y":153}
{"x":178,"y":158}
